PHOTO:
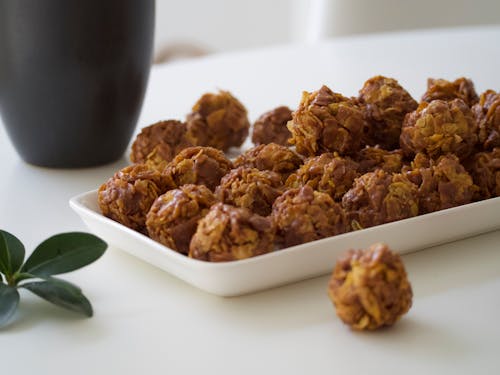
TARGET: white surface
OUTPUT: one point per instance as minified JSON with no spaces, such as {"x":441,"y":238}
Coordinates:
{"x":301,"y":262}
{"x":147,"y":321}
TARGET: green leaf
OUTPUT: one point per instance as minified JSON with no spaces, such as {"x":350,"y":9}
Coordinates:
{"x":62,"y":294}
{"x":64,"y":253}
{"x":11,"y":253}
{"x":9,"y":300}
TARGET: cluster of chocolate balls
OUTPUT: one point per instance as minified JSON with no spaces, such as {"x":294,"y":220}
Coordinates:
{"x":333,"y":165}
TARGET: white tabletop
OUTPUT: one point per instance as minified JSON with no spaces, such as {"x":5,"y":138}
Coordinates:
{"x":146,"y":320}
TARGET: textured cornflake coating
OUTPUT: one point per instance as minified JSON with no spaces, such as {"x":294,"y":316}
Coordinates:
{"x":230,"y":233}
{"x":198,"y":166}
{"x":442,"y":184}
{"x":384,"y":103}
{"x":380,"y":197}
{"x":302,"y":215}
{"x":128,"y":195}
{"x":461,"y":88}
{"x":327,"y":173}
{"x":218,"y":120}
{"x":271,"y":157}
{"x":438,"y":128}
{"x":250,"y":188}
{"x":326,"y":122}
{"x":158,"y":144}
{"x":484,"y":167}
{"x":487,"y":114}
{"x":371,"y":158}
{"x":173,"y":217}
{"x":370,"y":289}
{"x":270,"y":127}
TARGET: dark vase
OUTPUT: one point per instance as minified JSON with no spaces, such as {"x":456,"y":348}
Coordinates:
{"x":73,"y":74}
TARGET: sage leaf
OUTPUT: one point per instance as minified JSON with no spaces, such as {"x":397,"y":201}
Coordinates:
{"x":64,"y":253}
{"x":62,"y":294}
{"x":11,"y":253}
{"x":9,"y":300}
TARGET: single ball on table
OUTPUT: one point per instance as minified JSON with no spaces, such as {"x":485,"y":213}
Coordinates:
{"x":326,"y":122}
{"x":484,"y":167}
{"x":438,"y":128}
{"x":378,"y":198}
{"x":174,"y":216}
{"x":229,"y":233}
{"x":441,"y":184}
{"x":128,"y":195}
{"x":487,"y":114}
{"x":328,"y":173}
{"x":370,"y":289}
{"x":302,"y":215}
{"x":158,"y":144}
{"x":270,"y":157}
{"x":219,"y":121}
{"x":461,"y":88}
{"x":385,"y":104}
{"x":198,"y":166}
{"x":371,"y":158}
{"x":250,"y":188}
{"x":270,"y":127}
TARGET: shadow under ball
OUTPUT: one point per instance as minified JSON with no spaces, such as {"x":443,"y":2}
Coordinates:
{"x":73,"y":74}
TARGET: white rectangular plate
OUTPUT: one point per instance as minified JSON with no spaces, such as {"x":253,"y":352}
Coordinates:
{"x":294,"y":263}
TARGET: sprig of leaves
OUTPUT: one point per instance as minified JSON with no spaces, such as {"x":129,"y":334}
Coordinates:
{"x":58,"y":254}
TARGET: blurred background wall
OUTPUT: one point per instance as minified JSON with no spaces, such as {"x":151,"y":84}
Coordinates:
{"x":189,"y":28}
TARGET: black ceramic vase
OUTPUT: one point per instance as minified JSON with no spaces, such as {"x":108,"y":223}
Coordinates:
{"x":73,"y":74}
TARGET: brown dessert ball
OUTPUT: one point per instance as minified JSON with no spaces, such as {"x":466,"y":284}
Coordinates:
{"x":250,"y":188}
{"x":370,"y":289}
{"x":218,"y":120}
{"x":371,"y":158}
{"x":438,"y":128}
{"x":127,"y":196}
{"x":303,"y":215}
{"x":173,"y":217}
{"x":271,"y":157}
{"x":198,"y":166}
{"x":484,"y":167}
{"x":157,"y":144}
{"x":270,"y":127}
{"x":326,"y":122}
{"x":380,"y":197}
{"x":441,"y":184}
{"x":327,"y":173}
{"x":229,"y":233}
{"x":487,"y":114}
{"x":461,"y":88}
{"x":385,"y":104}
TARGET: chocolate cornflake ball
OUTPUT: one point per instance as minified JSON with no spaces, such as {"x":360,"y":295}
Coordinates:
{"x":158,"y":144}
{"x":128,"y":195}
{"x":370,"y":289}
{"x":250,"y":188}
{"x":198,"y":166}
{"x":371,"y":158}
{"x":441,"y":184}
{"x":173,"y":217}
{"x":484,"y":167}
{"x":326,"y":122}
{"x":271,"y":157}
{"x":461,"y":88}
{"x":218,"y":120}
{"x":385,"y":104}
{"x":487,"y":114}
{"x":438,"y":128}
{"x":270,"y":127}
{"x":327,"y":173}
{"x":379,"y":197}
{"x":229,"y":233}
{"x":303,"y":215}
